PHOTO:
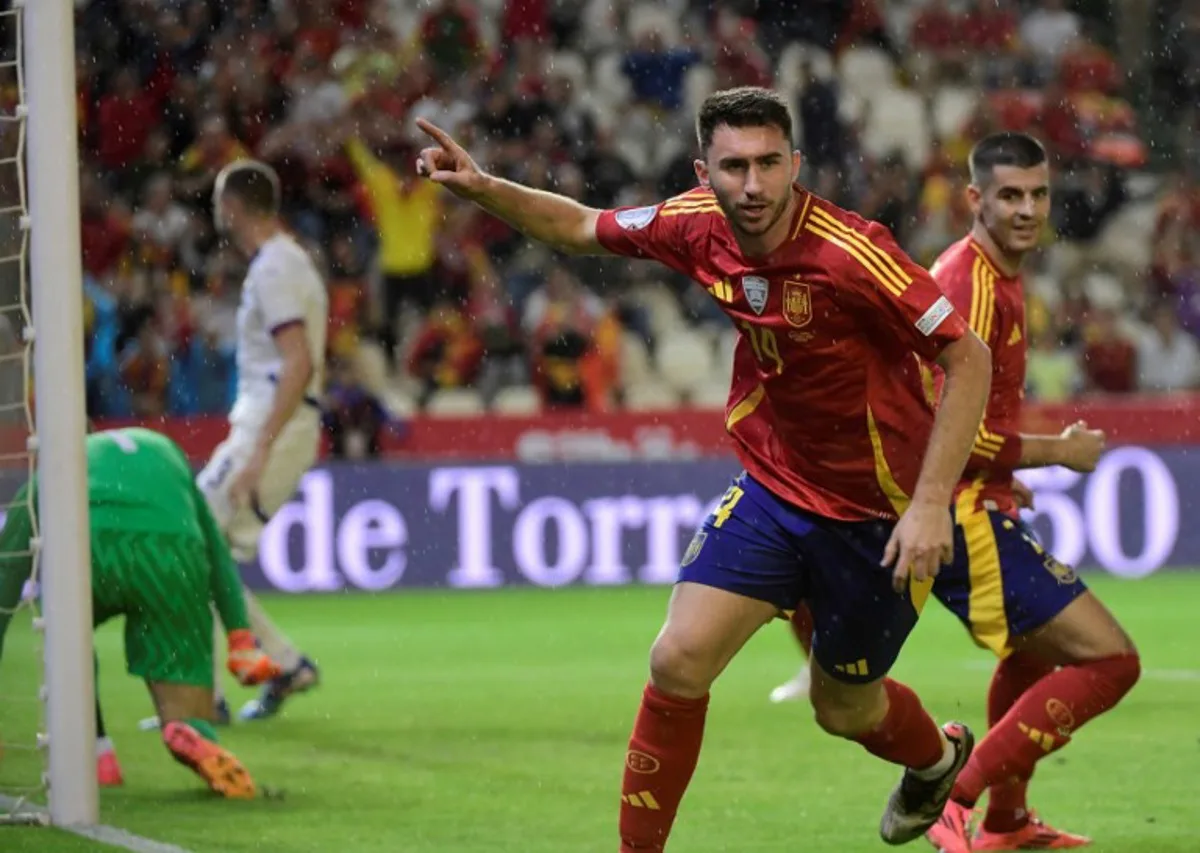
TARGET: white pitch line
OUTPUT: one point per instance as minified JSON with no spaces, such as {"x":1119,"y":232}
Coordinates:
{"x":104,"y":834}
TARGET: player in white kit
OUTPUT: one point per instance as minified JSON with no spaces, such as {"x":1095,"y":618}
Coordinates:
{"x":275,"y":423}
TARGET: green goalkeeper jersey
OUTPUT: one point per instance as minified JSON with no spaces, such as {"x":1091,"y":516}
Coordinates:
{"x":141,"y":486}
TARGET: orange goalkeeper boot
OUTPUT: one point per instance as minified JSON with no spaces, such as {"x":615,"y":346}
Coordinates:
{"x":217,"y":766}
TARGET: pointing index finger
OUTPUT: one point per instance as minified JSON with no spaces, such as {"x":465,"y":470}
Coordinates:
{"x":437,"y":134}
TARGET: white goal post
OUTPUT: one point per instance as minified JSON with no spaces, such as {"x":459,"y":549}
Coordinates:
{"x":57,"y":293}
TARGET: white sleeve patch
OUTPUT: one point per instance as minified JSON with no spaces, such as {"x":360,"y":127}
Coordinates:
{"x":636,"y":218}
{"x":933,"y":318}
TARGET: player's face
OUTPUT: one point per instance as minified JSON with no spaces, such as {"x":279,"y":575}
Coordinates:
{"x":751,"y":171}
{"x":1013,"y":206}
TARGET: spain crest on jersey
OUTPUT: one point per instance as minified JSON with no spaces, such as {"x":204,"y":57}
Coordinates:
{"x":797,"y":303}
{"x":755,"y":287}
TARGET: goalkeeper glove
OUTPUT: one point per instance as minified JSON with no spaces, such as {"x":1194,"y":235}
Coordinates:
{"x":249,"y":664}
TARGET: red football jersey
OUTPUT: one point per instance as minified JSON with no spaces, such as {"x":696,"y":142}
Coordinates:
{"x":995,"y":306}
{"x":827,"y":408}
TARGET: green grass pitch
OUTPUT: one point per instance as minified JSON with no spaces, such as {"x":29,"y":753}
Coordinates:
{"x":484,"y":722}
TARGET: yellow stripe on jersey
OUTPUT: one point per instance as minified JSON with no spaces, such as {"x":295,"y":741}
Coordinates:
{"x":708,"y":207}
{"x":745,"y":408}
{"x":803,"y":215}
{"x":722,"y":290}
{"x":985,"y":602}
{"x":918,"y":591}
{"x":854,"y":252}
{"x":990,"y":437}
{"x":883,"y":472}
{"x":928,"y":385}
{"x":983,"y":299}
{"x":987,"y":444}
{"x":693,"y":197}
{"x":699,"y":201}
{"x":983,"y":257}
{"x":889,"y":265}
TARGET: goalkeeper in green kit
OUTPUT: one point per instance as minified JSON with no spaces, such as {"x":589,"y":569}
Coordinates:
{"x":159,"y":559}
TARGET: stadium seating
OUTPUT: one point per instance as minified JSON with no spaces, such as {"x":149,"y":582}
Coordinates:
{"x":889,"y":101}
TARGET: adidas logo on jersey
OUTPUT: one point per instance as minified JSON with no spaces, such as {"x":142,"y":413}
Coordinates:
{"x":1015,"y":337}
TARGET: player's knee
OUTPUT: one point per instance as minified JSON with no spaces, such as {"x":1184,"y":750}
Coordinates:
{"x":680,"y":667}
{"x":848,"y":716}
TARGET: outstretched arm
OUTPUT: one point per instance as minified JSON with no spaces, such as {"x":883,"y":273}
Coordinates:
{"x":1077,"y":448}
{"x":555,"y":220}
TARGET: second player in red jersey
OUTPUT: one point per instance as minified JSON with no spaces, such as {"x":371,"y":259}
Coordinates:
{"x":991,"y":294}
{"x":849,"y":474}
{"x":1064,"y":659}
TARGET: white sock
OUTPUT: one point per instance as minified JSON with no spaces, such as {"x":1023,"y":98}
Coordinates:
{"x":938,"y":770}
{"x":103,"y":745}
{"x":276,"y":644}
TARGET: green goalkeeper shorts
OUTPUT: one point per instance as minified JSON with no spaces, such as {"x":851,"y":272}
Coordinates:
{"x":161,"y":582}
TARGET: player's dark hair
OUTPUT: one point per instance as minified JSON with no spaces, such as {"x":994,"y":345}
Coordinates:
{"x":746,"y":106}
{"x":255,"y":184}
{"x":1004,"y":149}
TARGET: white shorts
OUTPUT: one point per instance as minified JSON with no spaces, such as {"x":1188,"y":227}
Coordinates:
{"x":294,"y":453}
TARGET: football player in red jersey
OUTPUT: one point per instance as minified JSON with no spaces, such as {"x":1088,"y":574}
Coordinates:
{"x":848,"y":475}
{"x":1064,"y":658}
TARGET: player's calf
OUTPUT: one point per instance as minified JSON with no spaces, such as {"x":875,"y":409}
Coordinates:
{"x":1044,"y":720}
{"x":1098,"y":667}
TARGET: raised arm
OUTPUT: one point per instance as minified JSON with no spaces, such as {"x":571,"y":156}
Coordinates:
{"x":555,"y":220}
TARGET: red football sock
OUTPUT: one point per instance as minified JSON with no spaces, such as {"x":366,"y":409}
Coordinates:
{"x":1007,"y":807}
{"x":663,"y":751}
{"x":1043,"y":720}
{"x":802,"y":627}
{"x":907,"y":736}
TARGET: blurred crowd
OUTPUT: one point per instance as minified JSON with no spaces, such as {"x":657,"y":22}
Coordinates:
{"x":434,"y":305}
